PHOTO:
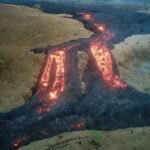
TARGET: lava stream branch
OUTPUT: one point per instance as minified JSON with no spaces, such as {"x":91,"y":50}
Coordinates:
{"x":45,"y":76}
{"x":97,"y":27}
{"x":102,"y":54}
{"x":58,"y":85}
{"x":51,"y":84}
{"x":103,"y":60}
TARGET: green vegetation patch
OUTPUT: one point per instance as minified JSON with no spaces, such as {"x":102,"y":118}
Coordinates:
{"x":95,"y":138}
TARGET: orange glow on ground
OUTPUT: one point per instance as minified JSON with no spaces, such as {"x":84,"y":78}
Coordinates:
{"x":53,"y":95}
{"x":45,"y":76}
{"x":101,"y":28}
{"x":19,"y":141}
{"x":87,"y":16}
{"x":103,"y":60}
{"x":42,"y":110}
{"x":79,"y":125}
{"x":57,"y":86}
{"x":51,"y":83}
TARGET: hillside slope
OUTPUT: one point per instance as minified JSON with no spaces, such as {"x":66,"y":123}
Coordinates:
{"x":23,"y":28}
{"x":126,"y":139}
{"x":133,"y":61}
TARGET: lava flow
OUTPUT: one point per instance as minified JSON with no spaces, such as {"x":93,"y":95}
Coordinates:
{"x":102,"y":55}
{"x":103,"y":60}
{"x":50,"y":112}
{"x":50,"y":83}
{"x":87,"y":16}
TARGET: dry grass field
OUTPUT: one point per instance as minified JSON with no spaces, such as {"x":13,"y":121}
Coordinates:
{"x":133,"y":60}
{"x":23,"y":28}
{"x":125,"y":139}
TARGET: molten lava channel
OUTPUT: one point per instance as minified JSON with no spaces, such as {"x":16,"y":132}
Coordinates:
{"x":103,"y":59}
{"x":102,"y":55}
{"x":52,"y":85}
{"x":53,"y":89}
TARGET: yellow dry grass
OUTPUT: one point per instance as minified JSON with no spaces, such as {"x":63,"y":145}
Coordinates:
{"x":133,"y":61}
{"x":123,"y":139}
{"x":23,"y":28}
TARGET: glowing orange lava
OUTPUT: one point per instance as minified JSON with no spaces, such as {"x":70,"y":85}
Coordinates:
{"x":19,"y":141}
{"x":45,"y":77}
{"x":58,"y":86}
{"x":79,"y":125}
{"x":87,"y":16}
{"x":52,"y":80}
{"x":42,"y":110}
{"x":103,"y":60}
{"x":54,"y":88}
{"x":99,"y":27}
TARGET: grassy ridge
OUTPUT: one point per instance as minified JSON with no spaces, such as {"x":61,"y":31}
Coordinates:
{"x":125,"y":139}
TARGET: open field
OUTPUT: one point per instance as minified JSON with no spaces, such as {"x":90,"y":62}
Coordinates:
{"x":23,"y":28}
{"x":133,"y":61}
{"x":125,"y":139}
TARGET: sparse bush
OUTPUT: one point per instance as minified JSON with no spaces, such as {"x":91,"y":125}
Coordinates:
{"x":96,"y":138}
